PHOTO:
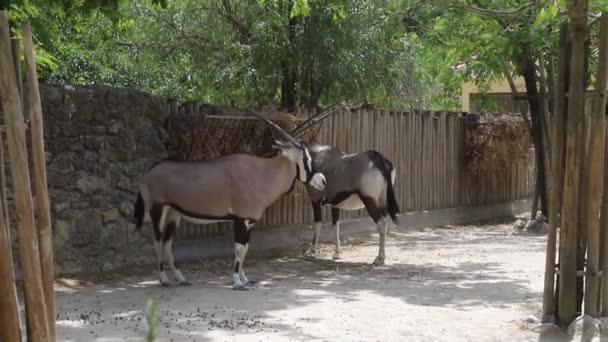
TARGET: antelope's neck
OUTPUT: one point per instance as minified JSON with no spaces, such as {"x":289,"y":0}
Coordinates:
{"x":282,"y":173}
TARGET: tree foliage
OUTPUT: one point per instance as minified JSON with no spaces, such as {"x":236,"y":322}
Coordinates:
{"x":264,"y":52}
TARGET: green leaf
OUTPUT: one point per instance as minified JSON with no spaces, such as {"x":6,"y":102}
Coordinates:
{"x":300,"y":8}
{"x":553,"y":10}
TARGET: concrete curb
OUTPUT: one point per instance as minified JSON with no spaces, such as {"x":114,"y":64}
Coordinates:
{"x":264,"y":241}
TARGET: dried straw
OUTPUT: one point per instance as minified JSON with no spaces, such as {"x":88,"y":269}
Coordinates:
{"x":495,"y":141}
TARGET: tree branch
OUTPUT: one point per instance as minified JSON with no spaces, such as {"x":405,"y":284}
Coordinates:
{"x":492,"y":12}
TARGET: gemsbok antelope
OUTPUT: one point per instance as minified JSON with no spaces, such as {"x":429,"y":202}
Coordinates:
{"x":354,"y":181}
{"x":236,"y":187}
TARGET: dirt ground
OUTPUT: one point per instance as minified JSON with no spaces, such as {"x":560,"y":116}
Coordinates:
{"x":465,"y":283}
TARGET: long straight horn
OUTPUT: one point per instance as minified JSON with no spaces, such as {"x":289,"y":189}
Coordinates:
{"x":276,"y":127}
{"x":315,"y":119}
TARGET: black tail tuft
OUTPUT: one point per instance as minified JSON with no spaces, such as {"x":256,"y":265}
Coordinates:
{"x":139,"y":212}
{"x":391,"y":201}
{"x":386,"y":168}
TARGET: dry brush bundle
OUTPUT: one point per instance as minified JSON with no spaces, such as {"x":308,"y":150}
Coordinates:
{"x":200,"y":137}
{"x":495,"y":142}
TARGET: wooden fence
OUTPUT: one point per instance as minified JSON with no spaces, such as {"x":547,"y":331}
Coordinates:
{"x":427,"y":150}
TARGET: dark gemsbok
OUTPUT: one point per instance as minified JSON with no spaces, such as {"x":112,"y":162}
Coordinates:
{"x":236,"y":187}
{"x":354,"y":181}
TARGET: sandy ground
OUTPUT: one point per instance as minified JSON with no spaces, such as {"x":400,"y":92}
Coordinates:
{"x":473,"y":283}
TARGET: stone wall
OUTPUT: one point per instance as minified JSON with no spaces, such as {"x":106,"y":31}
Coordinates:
{"x":99,"y":141}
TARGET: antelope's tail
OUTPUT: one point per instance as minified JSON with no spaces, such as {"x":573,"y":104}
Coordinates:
{"x":391,"y":201}
{"x":139,"y":212}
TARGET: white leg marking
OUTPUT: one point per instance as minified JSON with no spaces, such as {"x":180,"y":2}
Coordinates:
{"x":315,"y":239}
{"x":239,"y":250}
{"x":162,"y":277}
{"x":244,"y":279}
{"x":338,"y":251}
{"x":168,"y":247}
{"x":382,"y":229}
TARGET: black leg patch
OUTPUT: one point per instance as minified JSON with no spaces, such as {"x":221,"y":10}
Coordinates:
{"x":155,"y":214}
{"x":317,"y":212}
{"x":236,"y":267}
{"x":169,"y":232}
{"x":372,"y":209}
{"x":335,"y":215}
{"x":241,"y":232}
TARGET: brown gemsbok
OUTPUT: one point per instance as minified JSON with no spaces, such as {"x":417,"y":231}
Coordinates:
{"x":236,"y":187}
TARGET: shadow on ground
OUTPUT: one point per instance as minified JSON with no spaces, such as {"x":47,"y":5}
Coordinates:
{"x":459,"y":274}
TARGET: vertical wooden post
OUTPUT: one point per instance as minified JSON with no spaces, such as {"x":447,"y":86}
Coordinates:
{"x":571,"y":192}
{"x":28,"y":239}
{"x":595,"y":161}
{"x":16,"y":47}
{"x":557,"y":175}
{"x":9,"y":309}
{"x":40,"y":181}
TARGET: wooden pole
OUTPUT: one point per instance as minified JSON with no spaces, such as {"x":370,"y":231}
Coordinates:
{"x":16,"y":47}
{"x":28,"y":239}
{"x":9,"y":308}
{"x":571,"y":195}
{"x":40,"y":181}
{"x":557,"y":176}
{"x":604,"y":237}
{"x":595,"y":161}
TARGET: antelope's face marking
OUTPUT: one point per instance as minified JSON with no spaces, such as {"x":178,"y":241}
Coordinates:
{"x":305,"y":168}
{"x":318,"y":181}
{"x":308,"y":174}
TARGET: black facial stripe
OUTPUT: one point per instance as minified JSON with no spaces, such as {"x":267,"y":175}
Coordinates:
{"x":309,"y":172}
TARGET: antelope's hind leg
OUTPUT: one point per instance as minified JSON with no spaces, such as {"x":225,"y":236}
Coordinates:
{"x":242,"y":233}
{"x":335,"y":220}
{"x":170,"y":229}
{"x":158,"y":214}
{"x":376,"y":214}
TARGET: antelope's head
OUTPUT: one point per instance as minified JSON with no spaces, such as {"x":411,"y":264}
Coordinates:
{"x":298,"y":154}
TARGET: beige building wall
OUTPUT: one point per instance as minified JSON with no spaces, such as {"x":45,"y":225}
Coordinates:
{"x":497,"y":86}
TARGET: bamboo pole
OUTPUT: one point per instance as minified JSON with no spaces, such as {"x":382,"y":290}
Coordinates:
{"x":571,"y":192}
{"x":40,"y":180}
{"x":557,"y":176}
{"x":28,"y":239}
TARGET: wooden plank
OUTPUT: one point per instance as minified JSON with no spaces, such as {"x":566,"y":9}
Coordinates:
{"x":36,"y":311}
{"x":40,"y":179}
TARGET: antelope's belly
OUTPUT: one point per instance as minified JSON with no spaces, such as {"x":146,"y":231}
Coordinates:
{"x":352,"y":202}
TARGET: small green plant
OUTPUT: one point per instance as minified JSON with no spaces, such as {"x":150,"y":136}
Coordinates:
{"x":151,"y":320}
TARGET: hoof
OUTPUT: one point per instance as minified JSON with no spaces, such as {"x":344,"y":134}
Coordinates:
{"x":378,"y":262}
{"x":241,"y":287}
{"x":337,"y":255}
{"x":185,"y":283}
{"x":165,"y":284}
{"x":251,"y":282}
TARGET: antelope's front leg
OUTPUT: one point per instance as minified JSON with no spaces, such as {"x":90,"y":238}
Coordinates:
{"x":335,"y":218}
{"x":317,"y":213}
{"x":242,"y":232}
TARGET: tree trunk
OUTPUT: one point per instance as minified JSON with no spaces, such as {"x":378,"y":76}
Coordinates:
{"x":288,"y":86}
{"x":528,"y":71}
